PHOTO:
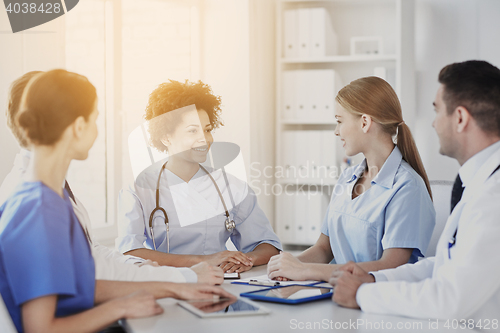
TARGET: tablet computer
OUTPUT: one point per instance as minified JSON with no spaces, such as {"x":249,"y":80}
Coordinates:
{"x":224,"y":307}
{"x":293,"y":294}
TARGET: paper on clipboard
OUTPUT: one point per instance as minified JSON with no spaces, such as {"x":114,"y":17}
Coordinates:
{"x":266,"y":281}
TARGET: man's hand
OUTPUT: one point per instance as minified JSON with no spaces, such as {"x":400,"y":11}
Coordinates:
{"x":355,"y":270}
{"x":346,"y":281}
{"x":285,"y":265}
{"x":208,"y":274}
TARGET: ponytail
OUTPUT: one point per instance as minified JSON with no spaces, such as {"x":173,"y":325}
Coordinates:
{"x":409,"y":150}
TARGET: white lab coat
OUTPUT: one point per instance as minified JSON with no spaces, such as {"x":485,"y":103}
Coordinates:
{"x":109,"y":264}
{"x":463,"y":283}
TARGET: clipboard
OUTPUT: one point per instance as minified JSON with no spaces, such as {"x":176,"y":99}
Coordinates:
{"x":292,"y":294}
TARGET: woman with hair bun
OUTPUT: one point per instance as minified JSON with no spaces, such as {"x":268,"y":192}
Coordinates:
{"x":381,"y":213}
{"x":47,"y":273}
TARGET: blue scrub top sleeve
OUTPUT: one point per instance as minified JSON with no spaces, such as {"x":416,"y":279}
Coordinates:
{"x":409,"y":220}
{"x":252,"y":226}
{"x":37,"y":253}
{"x":131,"y":224}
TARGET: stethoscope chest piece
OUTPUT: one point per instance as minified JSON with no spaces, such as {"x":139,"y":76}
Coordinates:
{"x":230,"y":224}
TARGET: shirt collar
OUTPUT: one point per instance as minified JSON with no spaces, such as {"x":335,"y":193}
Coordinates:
{"x":22,"y":159}
{"x":385,"y":176}
{"x":473,"y":164}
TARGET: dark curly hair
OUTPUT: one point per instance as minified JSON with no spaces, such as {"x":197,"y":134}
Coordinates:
{"x":173,"y":95}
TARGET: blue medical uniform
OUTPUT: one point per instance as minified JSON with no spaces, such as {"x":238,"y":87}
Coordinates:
{"x":396,"y":212}
{"x":197,"y":198}
{"x":43,"y":251}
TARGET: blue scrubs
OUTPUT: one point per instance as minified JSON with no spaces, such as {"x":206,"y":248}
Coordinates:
{"x":396,"y":212}
{"x":43,"y":251}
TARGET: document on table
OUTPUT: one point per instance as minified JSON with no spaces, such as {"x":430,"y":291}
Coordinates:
{"x":265,"y":279}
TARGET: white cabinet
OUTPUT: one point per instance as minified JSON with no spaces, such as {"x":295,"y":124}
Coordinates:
{"x":314,"y":61}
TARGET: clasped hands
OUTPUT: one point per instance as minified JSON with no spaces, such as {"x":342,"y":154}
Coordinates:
{"x":346,"y":279}
{"x":231,"y":261}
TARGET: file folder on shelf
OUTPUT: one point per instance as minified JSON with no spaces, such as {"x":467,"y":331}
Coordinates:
{"x":304,"y":35}
{"x":308,"y":33}
{"x":324,"y":41}
{"x":290,"y":37}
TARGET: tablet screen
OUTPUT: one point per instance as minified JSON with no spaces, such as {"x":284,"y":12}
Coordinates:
{"x":294,"y":292}
{"x":224,"y":305}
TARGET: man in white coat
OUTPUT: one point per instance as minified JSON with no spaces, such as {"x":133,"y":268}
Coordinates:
{"x":463,"y":280}
{"x":109,"y":264}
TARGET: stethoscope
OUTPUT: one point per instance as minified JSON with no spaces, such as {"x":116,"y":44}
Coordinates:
{"x":229,"y":223}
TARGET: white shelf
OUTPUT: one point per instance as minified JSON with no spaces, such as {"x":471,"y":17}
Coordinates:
{"x":308,"y":181}
{"x":340,"y":59}
{"x":336,"y":1}
{"x":306,"y":122}
{"x":392,"y":20}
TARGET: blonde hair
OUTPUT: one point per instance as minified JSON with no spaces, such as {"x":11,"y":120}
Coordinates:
{"x":375,"y":97}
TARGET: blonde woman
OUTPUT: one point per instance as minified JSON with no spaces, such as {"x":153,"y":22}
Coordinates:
{"x":381,"y":213}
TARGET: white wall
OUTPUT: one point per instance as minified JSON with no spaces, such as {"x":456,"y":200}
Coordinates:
{"x":262,"y":96}
{"x":448,"y":31}
{"x":225,"y":67}
{"x":40,"y":48}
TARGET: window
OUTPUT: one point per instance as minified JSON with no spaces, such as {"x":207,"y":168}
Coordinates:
{"x":125,"y":48}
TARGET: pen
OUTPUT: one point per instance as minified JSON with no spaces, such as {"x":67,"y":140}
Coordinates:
{"x":264,"y":283}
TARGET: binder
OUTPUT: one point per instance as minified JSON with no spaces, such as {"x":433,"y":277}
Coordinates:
{"x":303,"y":32}
{"x":324,"y":40}
{"x":314,"y":212}
{"x":288,"y":161}
{"x":337,"y":86}
{"x":301,"y":216}
{"x":329,"y":153}
{"x":314,"y":152}
{"x":321,"y":90}
{"x":288,"y":93}
{"x":286,"y":224}
{"x":302,"y":89}
{"x":381,"y":72}
{"x":302,"y":154}
{"x":290,"y":37}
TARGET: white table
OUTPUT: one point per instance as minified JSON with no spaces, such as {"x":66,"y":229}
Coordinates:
{"x":324,"y":315}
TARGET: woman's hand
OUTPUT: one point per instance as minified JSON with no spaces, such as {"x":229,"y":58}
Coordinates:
{"x":208,"y":274}
{"x":138,"y":305}
{"x":285,"y":265}
{"x":229,"y":267}
{"x":236,"y":257}
{"x":192,"y":291}
{"x":148,"y":262}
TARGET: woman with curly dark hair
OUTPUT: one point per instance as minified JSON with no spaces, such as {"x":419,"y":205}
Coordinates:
{"x":201,"y":207}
